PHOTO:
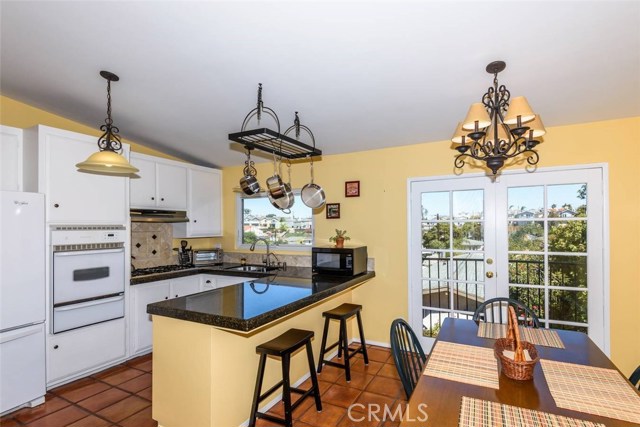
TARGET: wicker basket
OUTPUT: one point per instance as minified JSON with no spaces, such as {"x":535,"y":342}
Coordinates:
{"x":517,"y":368}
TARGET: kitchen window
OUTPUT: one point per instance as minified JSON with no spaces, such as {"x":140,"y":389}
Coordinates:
{"x":257,"y":218}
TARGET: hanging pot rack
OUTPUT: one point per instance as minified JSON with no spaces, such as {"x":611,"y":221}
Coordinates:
{"x":272,"y":141}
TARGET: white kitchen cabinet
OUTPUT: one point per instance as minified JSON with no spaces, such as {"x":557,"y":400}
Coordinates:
{"x":74,"y":353}
{"x":18,"y":161}
{"x":162,"y":183}
{"x":222,"y":281}
{"x":204,"y":204}
{"x":72,"y":196}
{"x":148,"y":293}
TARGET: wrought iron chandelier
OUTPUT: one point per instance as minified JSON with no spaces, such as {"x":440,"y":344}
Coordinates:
{"x":498,"y":128}
{"x":109,"y":159}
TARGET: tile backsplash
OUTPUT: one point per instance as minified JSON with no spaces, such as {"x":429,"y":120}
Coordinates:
{"x":151,"y":244}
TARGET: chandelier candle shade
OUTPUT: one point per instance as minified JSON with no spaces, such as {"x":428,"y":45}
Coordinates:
{"x":108,"y":161}
{"x":498,"y":128}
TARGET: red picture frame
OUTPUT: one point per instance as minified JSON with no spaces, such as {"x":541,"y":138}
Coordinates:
{"x":352,"y":189}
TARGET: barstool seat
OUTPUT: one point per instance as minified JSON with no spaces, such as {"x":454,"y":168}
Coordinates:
{"x":283,"y":346}
{"x":343,"y":313}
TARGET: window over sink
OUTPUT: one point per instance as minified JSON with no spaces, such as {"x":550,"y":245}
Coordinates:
{"x":258,"y":218}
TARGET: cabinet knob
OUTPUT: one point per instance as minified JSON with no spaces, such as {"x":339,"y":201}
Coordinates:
{"x":195,"y":220}
{"x":153,"y":198}
{"x":176,"y":295}
{"x":55,"y":347}
{"x":56,"y":205}
{"x":162,"y":199}
{"x":208,"y":281}
{"x":166,"y":297}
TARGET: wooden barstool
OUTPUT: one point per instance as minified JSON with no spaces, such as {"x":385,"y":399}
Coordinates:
{"x":283,"y":346}
{"x":343,"y":313}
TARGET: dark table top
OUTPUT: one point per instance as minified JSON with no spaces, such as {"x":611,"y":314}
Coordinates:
{"x":443,"y":397}
{"x":251,"y":304}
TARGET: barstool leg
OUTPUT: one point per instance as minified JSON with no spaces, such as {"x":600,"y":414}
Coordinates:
{"x":324,"y":344}
{"x":256,"y":393}
{"x":363,"y":343}
{"x":340,"y":342}
{"x":314,"y":377}
{"x":286,"y":390}
{"x":345,"y":344}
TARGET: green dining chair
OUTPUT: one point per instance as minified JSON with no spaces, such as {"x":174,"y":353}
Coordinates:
{"x":495,"y":311}
{"x":635,"y":378}
{"x":408,"y":355}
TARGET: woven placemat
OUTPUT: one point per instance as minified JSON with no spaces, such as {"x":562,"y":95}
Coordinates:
{"x":597,"y":391}
{"x":482,"y":413}
{"x":463,"y":363}
{"x":536,"y":336}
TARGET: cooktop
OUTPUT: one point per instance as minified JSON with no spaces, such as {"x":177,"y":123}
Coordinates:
{"x":160,"y":269}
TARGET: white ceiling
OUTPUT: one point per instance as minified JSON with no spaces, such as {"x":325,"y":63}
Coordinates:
{"x":362,"y":74}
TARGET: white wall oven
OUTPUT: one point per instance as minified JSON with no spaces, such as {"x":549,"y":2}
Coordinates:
{"x":88,"y":275}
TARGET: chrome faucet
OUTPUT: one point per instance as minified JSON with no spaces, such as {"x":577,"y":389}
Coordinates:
{"x":266,"y":260}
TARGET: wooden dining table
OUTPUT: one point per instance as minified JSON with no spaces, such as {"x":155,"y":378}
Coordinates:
{"x":443,"y":397}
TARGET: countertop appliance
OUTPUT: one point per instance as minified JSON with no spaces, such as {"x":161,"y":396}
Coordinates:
{"x":22,"y":299}
{"x":88,"y":275}
{"x":339,"y":261}
{"x":207,"y":256}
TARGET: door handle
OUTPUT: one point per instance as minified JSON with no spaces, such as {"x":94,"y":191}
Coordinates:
{"x":489,"y":274}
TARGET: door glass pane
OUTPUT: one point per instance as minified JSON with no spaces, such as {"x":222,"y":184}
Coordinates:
{"x":526,"y":235}
{"x":468,"y":204}
{"x":525,"y":202}
{"x":568,"y":271}
{"x":435,"y":205}
{"x":467,"y":296}
{"x":525,"y":269}
{"x":435,"y":264}
{"x":568,"y":236}
{"x":468,"y":236}
{"x":567,"y":201}
{"x":431,"y":321}
{"x":468,"y":266}
{"x":569,"y":306}
{"x":531,"y":297}
{"x":582,"y":329}
{"x":435,"y":235}
{"x":435,"y":294}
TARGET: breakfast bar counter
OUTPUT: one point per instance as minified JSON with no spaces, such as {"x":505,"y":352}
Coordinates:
{"x":204,"y":358}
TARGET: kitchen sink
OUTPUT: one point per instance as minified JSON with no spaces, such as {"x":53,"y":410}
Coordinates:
{"x":253,"y":268}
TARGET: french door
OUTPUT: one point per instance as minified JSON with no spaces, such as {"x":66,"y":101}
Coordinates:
{"x":535,"y":237}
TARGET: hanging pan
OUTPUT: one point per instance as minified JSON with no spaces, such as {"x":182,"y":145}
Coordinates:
{"x":249,"y":183}
{"x":312,"y":194}
{"x":285,"y":202}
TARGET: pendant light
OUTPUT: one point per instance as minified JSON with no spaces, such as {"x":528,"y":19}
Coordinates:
{"x":109,"y":160}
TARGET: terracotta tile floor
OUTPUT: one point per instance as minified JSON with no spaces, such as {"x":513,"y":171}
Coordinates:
{"x":121,"y":396}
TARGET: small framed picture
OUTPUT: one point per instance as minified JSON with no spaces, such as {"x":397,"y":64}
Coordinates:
{"x":333,"y":210}
{"x":352,"y":189}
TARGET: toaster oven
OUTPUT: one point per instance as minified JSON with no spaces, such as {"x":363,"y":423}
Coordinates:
{"x":207,"y":257}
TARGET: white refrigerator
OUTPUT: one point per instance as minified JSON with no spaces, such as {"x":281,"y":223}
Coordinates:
{"x":22,"y":299}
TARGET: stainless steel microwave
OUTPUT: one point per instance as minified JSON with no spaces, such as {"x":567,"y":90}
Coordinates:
{"x":339,"y":261}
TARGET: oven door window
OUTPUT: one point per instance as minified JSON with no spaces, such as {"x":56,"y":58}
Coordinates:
{"x":82,"y":275}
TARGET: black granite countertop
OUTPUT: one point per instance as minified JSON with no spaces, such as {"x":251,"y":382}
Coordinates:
{"x":252,"y":304}
{"x":213,"y":269}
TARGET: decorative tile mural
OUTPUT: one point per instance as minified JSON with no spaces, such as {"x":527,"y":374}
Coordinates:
{"x":151,"y":244}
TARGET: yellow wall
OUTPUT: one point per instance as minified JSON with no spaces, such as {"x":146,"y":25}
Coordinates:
{"x":379,"y":217}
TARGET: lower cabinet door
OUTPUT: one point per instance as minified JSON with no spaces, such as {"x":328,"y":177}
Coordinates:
{"x":142,"y":327}
{"x":73,"y":353}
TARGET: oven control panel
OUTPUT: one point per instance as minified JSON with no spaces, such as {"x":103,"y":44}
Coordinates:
{"x":86,"y":235}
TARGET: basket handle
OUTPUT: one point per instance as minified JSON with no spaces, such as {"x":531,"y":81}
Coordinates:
{"x":515,"y":331}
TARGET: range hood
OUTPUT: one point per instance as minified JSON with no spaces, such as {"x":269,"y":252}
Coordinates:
{"x":155,"y":215}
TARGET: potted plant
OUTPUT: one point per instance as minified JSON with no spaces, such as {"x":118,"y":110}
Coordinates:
{"x":339,"y":238}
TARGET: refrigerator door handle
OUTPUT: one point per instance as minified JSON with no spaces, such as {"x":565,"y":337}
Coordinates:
{"x":19,"y":333}
{"x":89,"y":303}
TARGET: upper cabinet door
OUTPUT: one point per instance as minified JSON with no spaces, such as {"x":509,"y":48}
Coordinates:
{"x":143,"y":189}
{"x":172,"y":186}
{"x":78,"y":197}
{"x":205,"y":203}
{"x":11,"y":159}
